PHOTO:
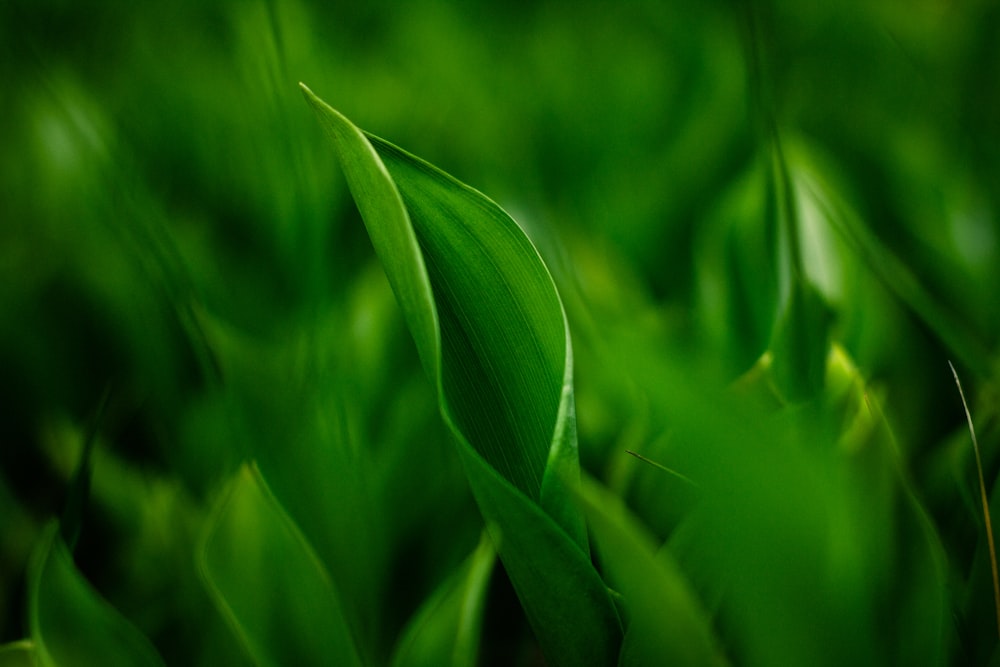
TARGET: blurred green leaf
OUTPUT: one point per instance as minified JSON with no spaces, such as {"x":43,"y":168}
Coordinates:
{"x":291,"y":390}
{"x":445,"y":631}
{"x":800,"y":343}
{"x":897,"y":549}
{"x":787,"y":516}
{"x":76,"y":503}
{"x":267,"y":582}
{"x":737,"y":276}
{"x":70,"y":623}
{"x":18,"y":654}
{"x":961,"y":339}
{"x":665,"y":622}
{"x":491,"y":333}
{"x":800,"y":339}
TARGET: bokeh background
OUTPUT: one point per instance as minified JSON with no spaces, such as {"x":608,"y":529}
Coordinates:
{"x":175,"y":235}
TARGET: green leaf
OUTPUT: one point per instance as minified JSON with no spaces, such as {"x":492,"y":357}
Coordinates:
{"x":492,"y":335}
{"x":666,"y":623}
{"x":446,"y":629}
{"x":800,"y":343}
{"x":18,"y":654}
{"x":287,"y":391}
{"x":916,"y":628}
{"x":909,"y":286}
{"x":268,"y":583}
{"x":737,"y":275}
{"x":79,"y":489}
{"x":70,"y":623}
{"x":804,"y":541}
{"x":800,"y":339}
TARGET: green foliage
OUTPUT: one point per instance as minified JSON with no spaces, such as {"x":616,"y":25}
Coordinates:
{"x":666,"y":623}
{"x":748,"y":239}
{"x":447,"y":629}
{"x":268,"y":583}
{"x":491,"y":333}
{"x":70,"y":623}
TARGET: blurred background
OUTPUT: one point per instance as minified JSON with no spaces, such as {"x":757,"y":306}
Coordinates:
{"x":175,"y":234}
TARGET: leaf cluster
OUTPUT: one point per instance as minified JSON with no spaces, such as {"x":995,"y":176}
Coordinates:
{"x":278,"y":391}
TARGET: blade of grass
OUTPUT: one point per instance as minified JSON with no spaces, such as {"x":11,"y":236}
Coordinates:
{"x":983,"y":497}
{"x":660,"y":466}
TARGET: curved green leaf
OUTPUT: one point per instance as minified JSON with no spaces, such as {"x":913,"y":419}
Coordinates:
{"x":70,"y":623}
{"x":492,"y":335}
{"x":446,"y":629}
{"x":667,"y":624}
{"x":267,"y":582}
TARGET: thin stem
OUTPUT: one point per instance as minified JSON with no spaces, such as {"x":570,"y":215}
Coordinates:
{"x":661,"y":467}
{"x":982,"y":494}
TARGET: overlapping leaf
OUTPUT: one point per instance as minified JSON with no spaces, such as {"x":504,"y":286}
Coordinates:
{"x":666,"y":622}
{"x":491,"y":333}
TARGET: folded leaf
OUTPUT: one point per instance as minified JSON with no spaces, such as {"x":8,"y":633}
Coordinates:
{"x":492,"y":335}
{"x":268,"y":583}
{"x":70,"y":623}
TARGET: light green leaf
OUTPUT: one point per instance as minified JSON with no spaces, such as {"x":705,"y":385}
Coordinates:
{"x":666,"y":623}
{"x":268,"y":583}
{"x":70,"y":623}
{"x":492,"y":335}
{"x":445,"y":631}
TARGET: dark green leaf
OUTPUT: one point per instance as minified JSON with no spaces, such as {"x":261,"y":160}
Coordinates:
{"x":70,"y":623}
{"x":18,"y":654}
{"x":445,"y":631}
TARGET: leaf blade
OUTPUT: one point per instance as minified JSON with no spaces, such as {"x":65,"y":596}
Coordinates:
{"x":267,"y":582}
{"x":668,"y":624}
{"x":70,"y":623}
{"x":492,"y":334}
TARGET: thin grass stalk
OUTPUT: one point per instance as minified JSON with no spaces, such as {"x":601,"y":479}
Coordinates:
{"x":982,"y":494}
